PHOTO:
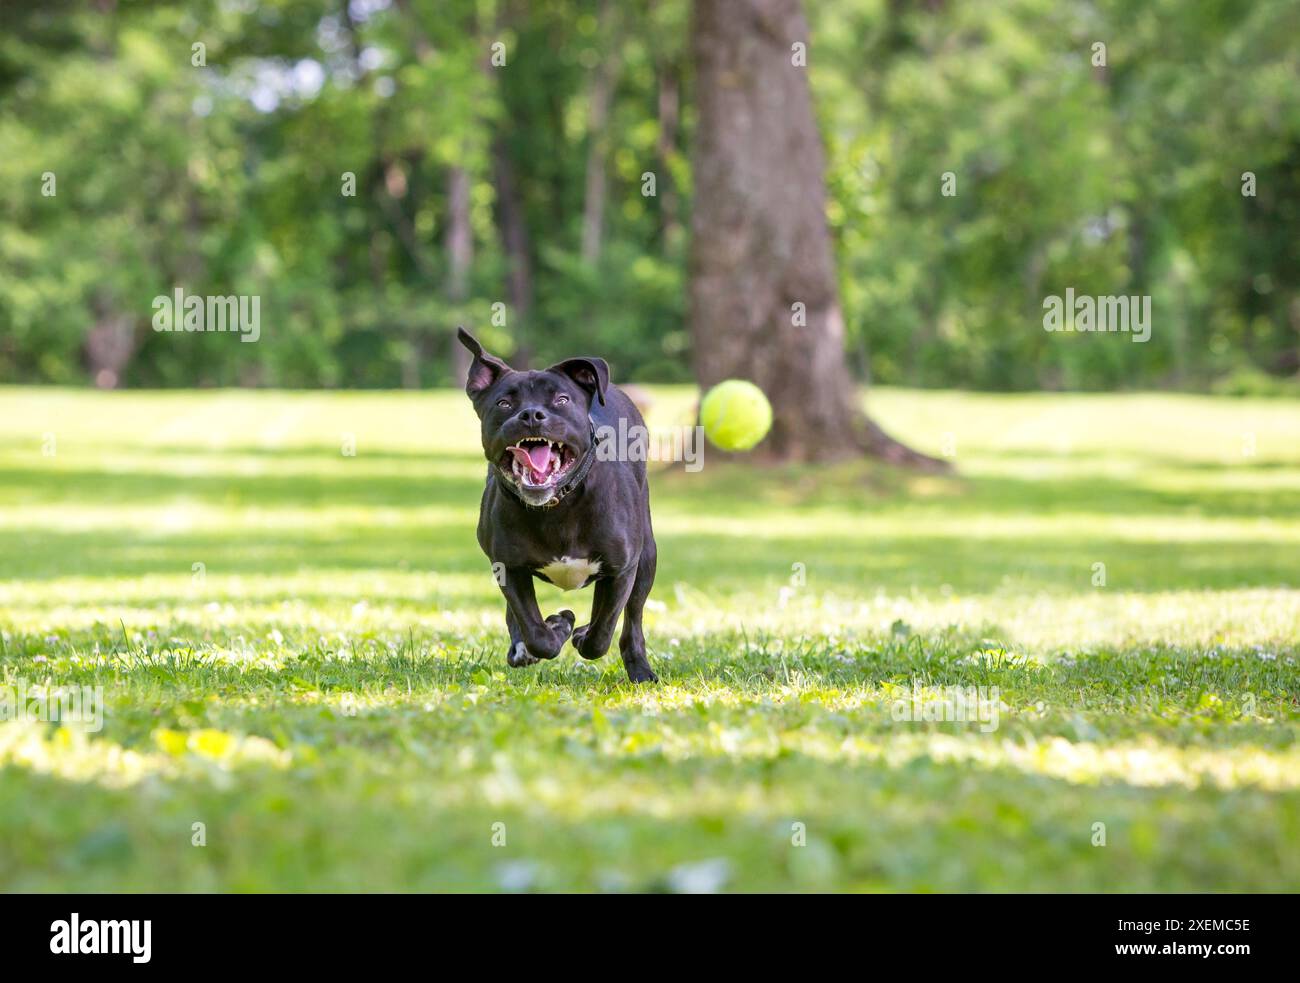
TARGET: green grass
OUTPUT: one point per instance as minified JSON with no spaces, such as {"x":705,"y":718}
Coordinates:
{"x":328,"y":693}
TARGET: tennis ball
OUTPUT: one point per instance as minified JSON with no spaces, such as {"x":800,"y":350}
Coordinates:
{"x":735,"y":414}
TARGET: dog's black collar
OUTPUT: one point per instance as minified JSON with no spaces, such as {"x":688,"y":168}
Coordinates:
{"x":580,"y":472}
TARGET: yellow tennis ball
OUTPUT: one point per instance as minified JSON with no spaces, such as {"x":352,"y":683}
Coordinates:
{"x":735,"y":414}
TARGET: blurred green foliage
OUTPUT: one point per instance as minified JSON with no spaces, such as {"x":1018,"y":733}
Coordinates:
{"x":227,"y":178}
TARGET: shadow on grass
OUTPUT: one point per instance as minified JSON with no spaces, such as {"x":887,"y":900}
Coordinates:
{"x":839,"y":556}
{"x":269,"y":490}
{"x":862,"y":488}
{"x":730,"y":488}
{"x":755,"y":563}
{"x":842,"y":563}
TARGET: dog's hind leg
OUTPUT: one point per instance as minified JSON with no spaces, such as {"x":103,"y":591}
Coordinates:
{"x":593,"y":639}
{"x":631,"y":643}
{"x":517,"y":655}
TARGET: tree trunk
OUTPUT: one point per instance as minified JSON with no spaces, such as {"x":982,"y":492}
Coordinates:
{"x":517,"y":246}
{"x":109,"y":347}
{"x":459,"y":242}
{"x":764,"y":303}
{"x":666,"y":74}
{"x":460,"y":256}
{"x":600,"y":95}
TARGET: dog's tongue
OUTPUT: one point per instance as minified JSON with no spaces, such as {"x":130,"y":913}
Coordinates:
{"x":538,"y":458}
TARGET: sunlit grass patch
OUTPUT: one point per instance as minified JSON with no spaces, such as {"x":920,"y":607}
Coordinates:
{"x":303,"y":651}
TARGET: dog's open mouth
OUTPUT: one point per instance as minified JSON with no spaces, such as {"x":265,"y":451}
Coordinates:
{"x":536,"y":462}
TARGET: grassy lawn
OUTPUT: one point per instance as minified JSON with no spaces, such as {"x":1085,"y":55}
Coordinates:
{"x":304,"y":651}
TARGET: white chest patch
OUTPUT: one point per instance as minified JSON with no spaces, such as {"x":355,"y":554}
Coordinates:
{"x":570,"y":573}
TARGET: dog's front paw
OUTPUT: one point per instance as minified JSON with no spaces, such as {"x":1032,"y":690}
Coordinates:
{"x":589,"y":646}
{"x":586,"y":645}
{"x":519,"y":656}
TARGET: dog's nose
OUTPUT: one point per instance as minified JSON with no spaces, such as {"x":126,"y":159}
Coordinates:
{"x":534,"y":416}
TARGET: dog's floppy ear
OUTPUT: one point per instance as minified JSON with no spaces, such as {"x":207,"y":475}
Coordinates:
{"x":592,"y":374}
{"x":484,"y":370}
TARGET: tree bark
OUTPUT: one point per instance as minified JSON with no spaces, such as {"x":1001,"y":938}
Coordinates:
{"x":460,"y":256}
{"x":760,"y":243}
{"x":666,"y":74}
{"x":516,"y":243}
{"x":600,"y":95}
{"x":459,"y":240}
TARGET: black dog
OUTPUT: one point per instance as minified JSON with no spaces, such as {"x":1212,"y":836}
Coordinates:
{"x":563,"y":504}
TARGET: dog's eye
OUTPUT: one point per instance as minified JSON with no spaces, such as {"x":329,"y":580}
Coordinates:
{"x":561,"y":399}
{"x":504,"y":403}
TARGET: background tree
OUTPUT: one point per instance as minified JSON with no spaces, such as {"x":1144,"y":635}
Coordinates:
{"x":764,"y":299}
